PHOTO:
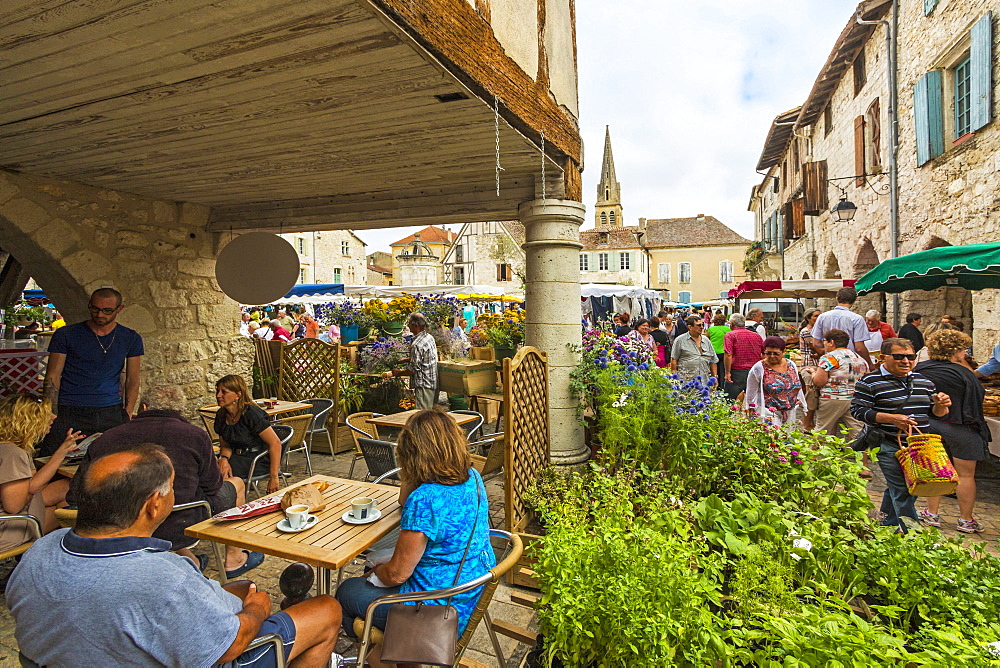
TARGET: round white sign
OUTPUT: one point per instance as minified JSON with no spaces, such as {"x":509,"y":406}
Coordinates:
{"x":257,"y":268}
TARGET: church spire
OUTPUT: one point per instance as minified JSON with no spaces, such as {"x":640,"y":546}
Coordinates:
{"x":608,"y":212}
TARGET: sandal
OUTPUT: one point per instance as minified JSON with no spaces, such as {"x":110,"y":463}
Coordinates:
{"x":202,"y":562}
{"x":254,"y":559}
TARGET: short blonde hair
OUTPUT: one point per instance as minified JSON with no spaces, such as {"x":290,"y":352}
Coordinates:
{"x":944,"y":343}
{"x":433,"y":448}
{"x":25,"y":419}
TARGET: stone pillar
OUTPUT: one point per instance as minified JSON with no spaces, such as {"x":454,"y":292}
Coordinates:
{"x":552,"y":295}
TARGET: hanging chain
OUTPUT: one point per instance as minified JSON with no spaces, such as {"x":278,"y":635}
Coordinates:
{"x":496,"y":125}
{"x":543,"y":164}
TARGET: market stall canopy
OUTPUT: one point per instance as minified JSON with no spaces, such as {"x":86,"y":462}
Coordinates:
{"x":460,"y":291}
{"x":805,"y":289}
{"x":308,"y":290}
{"x":973,"y":267}
{"x":604,"y":290}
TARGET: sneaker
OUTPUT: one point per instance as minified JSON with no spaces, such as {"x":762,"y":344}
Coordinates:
{"x":969,"y":526}
{"x":928,"y":518}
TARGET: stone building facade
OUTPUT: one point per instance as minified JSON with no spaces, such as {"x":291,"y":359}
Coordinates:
{"x":487,"y":253}
{"x":840,"y":140}
{"x":438,"y":240}
{"x":330,"y":256}
{"x":157,"y":254}
{"x":695,"y":259}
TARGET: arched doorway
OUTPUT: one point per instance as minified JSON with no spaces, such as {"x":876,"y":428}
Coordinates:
{"x":933,"y":304}
{"x":866,"y":260}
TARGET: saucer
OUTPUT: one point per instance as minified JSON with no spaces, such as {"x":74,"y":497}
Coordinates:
{"x":347,"y":517}
{"x":310,"y":522}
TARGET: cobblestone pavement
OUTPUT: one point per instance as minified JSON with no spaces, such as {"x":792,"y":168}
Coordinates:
{"x":266,"y":576}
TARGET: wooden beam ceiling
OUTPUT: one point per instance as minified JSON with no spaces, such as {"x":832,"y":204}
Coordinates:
{"x":244,"y":104}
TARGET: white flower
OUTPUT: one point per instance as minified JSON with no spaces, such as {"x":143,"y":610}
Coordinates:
{"x":802,"y":544}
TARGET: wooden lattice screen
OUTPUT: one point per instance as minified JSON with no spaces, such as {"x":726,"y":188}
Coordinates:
{"x":267,"y":355}
{"x":526,"y":424}
{"x":310,"y":369}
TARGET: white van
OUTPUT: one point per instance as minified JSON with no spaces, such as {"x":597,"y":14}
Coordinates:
{"x":782,"y":315}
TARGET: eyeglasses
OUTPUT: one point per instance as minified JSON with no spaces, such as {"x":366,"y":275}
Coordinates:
{"x":105,"y":311}
{"x":899,"y":357}
{"x":773,"y":353}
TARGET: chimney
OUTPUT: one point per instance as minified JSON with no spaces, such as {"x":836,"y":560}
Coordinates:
{"x":642,"y":223}
{"x":701,"y":218}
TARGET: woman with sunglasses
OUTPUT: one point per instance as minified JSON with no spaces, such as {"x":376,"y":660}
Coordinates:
{"x":774,"y":389}
{"x":24,"y":420}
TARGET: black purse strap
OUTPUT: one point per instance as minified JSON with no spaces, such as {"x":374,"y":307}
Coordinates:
{"x":472,"y":534}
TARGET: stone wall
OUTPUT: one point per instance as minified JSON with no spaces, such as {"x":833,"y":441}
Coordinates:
{"x":75,"y":239}
{"x":320,"y":253}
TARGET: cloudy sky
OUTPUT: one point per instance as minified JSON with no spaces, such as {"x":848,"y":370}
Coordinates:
{"x":689,"y":89}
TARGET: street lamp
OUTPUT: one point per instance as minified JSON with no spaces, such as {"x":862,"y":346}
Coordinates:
{"x":844,"y":210}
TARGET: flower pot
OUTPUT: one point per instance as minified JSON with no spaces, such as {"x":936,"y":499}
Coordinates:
{"x":363,"y":332}
{"x":503,"y":353}
{"x":392,"y":328}
{"x":349,"y":333}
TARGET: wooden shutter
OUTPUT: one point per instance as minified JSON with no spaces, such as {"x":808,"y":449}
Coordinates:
{"x":859,"y":150}
{"x":788,"y":232}
{"x":875,"y":134}
{"x":980,"y":64}
{"x":798,"y":218}
{"x":928,"y":117}
{"x":814,"y":188}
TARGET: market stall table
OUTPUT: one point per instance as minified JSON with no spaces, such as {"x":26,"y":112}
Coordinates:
{"x":280,"y":408}
{"x":329,"y":545}
{"x":399,"y":420}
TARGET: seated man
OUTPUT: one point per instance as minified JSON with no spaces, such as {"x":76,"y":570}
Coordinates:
{"x":195,"y":467}
{"x":107,"y":593}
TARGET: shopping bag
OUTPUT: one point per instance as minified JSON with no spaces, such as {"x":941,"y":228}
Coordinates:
{"x":925,"y":463}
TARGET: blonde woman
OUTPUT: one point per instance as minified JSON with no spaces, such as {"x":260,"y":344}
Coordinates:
{"x":24,"y":420}
{"x":445,"y":509}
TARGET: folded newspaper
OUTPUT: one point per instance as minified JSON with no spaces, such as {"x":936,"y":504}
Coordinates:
{"x":262,"y":506}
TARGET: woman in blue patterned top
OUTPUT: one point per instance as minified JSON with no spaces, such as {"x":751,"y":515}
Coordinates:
{"x":444,"y":508}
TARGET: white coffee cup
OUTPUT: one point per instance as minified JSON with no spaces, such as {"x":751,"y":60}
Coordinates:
{"x":362,"y":507}
{"x":297,"y":516}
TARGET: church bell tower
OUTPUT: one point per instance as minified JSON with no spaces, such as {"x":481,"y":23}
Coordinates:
{"x":608,"y":212}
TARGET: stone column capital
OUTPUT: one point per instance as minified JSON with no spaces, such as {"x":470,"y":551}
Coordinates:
{"x":539,"y":209}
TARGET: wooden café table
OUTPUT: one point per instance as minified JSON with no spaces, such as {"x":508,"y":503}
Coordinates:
{"x":281,"y":408}
{"x":399,"y":420}
{"x":69,"y":467}
{"x":329,"y":545}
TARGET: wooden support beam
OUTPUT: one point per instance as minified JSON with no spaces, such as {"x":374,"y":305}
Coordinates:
{"x":522,"y":598}
{"x":518,"y":633}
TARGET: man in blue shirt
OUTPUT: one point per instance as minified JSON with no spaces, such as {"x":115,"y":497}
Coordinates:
{"x":106,"y":593}
{"x":83,"y":376}
{"x":992,"y":365}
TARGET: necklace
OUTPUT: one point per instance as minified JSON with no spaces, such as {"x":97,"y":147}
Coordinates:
{"x":110,"y":345}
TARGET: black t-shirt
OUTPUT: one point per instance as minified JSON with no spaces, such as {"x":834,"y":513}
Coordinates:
{"x":623,"y":330}
{"x":245,"y":434}
{"x":659,"y":336}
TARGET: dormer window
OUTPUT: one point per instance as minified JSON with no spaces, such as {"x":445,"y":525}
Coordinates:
{"x":604,"y":237}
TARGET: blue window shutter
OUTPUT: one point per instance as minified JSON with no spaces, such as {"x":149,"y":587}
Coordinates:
{"x":928,"y":117}
{"x":981,"y":62}
{"x":929,"y":6}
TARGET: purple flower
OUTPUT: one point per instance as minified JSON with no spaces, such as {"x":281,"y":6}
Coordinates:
{"x":798,"y":461}
{"x":782,"y":459}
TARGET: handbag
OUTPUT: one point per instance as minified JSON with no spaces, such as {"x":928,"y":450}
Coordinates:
{"x":426,"y":634}
{"x":870,"y":436}
{"x":926,"y":467}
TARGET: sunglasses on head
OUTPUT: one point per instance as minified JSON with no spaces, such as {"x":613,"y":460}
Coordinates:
{"x":899,"y":357}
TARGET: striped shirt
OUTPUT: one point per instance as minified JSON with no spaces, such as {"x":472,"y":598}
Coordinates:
{"x":423,"y":361}
{"x":882,"y":392}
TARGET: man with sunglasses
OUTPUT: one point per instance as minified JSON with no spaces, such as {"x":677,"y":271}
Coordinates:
{"x":84,"y":372}
{"x":894,"y":399}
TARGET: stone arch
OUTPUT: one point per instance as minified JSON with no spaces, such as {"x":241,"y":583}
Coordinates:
{"x":866,"y":260}
{"x":935,"y":303}
{"x":831,"y":268}
{"x":805,"y":275}
{"x":604,"y":218}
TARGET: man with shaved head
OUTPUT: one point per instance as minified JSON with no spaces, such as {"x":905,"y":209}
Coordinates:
{"x":107,"y":593}
{"x":84,"y":373}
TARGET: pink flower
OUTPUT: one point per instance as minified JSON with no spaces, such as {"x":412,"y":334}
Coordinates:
{"x":794,"y":452}
{"x":798,"y":461}
{"x":782,"y":460}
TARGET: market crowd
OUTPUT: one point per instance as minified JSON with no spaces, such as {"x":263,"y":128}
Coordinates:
{"x":845,"y":374}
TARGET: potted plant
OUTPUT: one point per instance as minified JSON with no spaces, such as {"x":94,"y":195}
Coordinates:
{"x":503,"y":331}
{"x":396,"y":313}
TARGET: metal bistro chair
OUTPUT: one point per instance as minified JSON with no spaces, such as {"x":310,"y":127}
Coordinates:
{"x":512,"y":548}
{"x":35,"y":523}
{"x":321,"y":412}
{"x":380,"y":456}
{"x":300,"y":425}
{"x":471,"y":427}
{"x":285,"y":434}
{"x":357,"y":422}
{"x":269,"y":639}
